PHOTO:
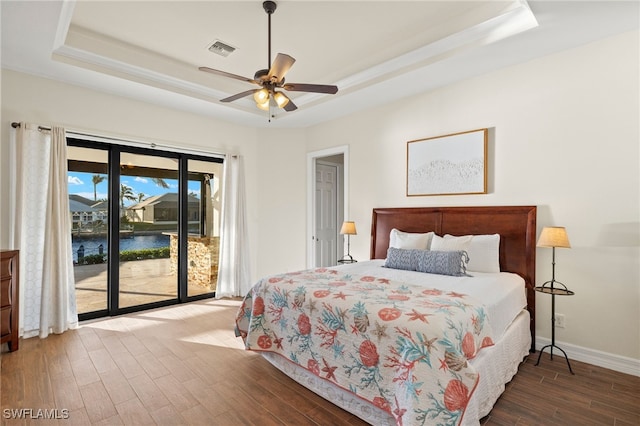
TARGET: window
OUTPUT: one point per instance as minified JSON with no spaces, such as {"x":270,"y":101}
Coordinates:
{"x":133,"y":246}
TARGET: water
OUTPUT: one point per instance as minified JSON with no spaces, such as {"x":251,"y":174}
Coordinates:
{"x":91,"y":243}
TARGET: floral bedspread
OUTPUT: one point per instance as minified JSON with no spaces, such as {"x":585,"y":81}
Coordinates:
{"x":402,"y":347}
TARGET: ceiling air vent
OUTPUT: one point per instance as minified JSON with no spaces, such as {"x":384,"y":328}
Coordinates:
{"x":220,"y":48}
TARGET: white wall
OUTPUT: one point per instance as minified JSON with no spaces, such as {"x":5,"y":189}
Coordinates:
{"x":565,"y":138}
{"x":281,"y":214}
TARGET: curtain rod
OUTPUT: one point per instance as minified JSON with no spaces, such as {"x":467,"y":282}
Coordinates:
{"x":15,"y":125}
{"x":153,"y":145}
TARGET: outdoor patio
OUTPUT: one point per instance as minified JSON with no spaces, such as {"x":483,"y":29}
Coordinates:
{"x":141,"y":282}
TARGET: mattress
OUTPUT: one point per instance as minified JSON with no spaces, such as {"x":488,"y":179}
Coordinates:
{"x":502,"y":294}
{"x":496,"y":365}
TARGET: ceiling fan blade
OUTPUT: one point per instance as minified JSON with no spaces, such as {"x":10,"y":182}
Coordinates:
{"x":227,"y":74}
{"x":280,"y":66}
{"x":239,"y":95}
{"x":315,"y":88}
{"x":290,"y":106}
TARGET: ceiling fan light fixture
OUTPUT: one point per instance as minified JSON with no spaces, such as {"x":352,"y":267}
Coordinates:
{"x":271,"y":78}
{"x":260,"y":96}
{"x":281,"y":99}
{"x":263,"y":105}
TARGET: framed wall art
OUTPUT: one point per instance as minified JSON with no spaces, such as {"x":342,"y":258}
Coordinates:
{"x":448,"y":165}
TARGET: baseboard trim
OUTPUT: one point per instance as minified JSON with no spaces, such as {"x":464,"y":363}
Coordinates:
{"x":595,"y":357}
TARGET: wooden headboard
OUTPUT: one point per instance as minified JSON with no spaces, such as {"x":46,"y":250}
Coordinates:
{"x":515,"y":224}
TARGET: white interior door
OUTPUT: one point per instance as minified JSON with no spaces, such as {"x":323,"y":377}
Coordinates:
{"x":326,"y":235}
{"x":337,"y":157}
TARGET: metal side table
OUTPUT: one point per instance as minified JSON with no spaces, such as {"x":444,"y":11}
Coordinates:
{"x":554,"y":291}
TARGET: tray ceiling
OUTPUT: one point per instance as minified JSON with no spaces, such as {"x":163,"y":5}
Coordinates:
{"x":375,"y":51}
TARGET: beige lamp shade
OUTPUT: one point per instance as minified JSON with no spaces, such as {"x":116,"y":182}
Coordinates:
{"x":348,"y":228}
{"x":554,"y":236}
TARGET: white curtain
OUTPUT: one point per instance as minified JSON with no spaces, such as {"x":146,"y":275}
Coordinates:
{"x":234,"y":278}
{"x":42,"y":231}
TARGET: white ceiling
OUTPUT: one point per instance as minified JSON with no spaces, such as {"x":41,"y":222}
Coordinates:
{"x":374,"y":51}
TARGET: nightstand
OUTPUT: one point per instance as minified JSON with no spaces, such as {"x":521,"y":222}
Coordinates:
{"x":9,"y":269}
{"x":554,"y":292}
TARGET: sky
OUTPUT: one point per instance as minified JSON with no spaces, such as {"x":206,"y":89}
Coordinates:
{"x":82,"y":184}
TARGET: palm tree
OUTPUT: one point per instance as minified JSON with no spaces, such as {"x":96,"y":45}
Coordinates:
{"x":96,"y":179}
{"x":141,"y":195}
{"x":126,"y":193}
{"x":160,"y":182}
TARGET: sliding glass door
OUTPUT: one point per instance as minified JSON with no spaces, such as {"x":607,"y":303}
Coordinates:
{"x":148,"y":217}
{"x":88,"y":183}
{"x":147,"y":235}
{"x":204,"y":226}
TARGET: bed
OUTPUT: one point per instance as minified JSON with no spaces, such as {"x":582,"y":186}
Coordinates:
{"x":393,"y":345}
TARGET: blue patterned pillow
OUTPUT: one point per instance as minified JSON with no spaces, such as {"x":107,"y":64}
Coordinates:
{"x":433,"y":262}
{"x":405,"y":259}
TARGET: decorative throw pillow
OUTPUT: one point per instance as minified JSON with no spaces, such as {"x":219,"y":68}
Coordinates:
{"x":410,"y":240}
{"x":405,"y":259}
{"x":443,"y":262}
{"x":433,"y":262}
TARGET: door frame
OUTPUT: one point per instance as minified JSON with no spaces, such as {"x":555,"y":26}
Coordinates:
{"x":312,"y":157}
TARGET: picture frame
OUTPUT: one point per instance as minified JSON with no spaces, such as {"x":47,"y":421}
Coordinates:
{"x":453,"y":164}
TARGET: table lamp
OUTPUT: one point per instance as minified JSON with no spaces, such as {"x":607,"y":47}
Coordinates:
{"x":348,"y":229}
{"x":553,"y":236}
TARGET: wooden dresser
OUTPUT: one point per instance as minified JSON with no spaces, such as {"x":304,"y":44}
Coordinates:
{"x":9,"y":279}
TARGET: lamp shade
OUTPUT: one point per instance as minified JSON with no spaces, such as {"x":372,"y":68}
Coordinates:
{"x":348,"y":228}
{"x":263,"y":105}
{"x":281,"y":99}
{"x":260,"y":96}
{"x":554,"y":236}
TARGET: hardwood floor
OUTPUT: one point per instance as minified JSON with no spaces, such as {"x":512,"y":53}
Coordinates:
{"x":183,"y":365}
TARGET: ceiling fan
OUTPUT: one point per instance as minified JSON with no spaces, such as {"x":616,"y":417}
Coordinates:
{"x":273,"y":78}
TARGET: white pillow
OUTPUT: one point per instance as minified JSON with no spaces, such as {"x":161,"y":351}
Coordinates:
{"x":451,"y":243}
{"x":408,"y":240}
{"x":483,"y":251}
